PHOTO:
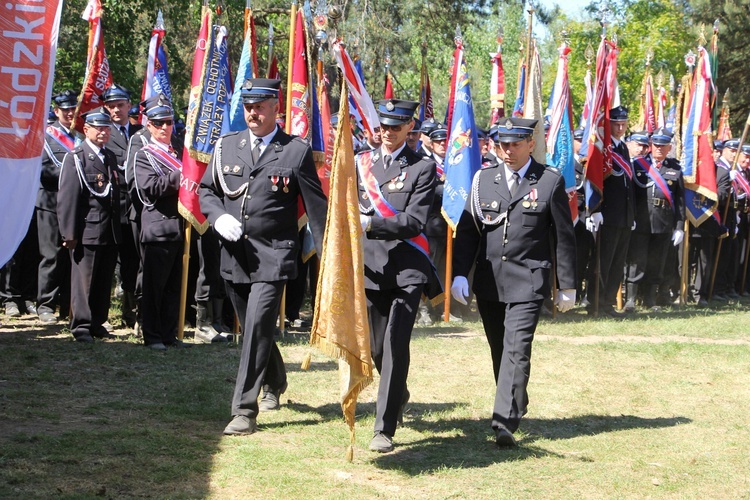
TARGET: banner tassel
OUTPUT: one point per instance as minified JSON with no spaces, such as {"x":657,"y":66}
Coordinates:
{"x":306,"y":361}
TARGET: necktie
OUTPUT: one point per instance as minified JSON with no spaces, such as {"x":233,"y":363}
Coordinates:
{"x":255,"y":153}
{"x":515,"y":180}
{"x":386,"y":162}
{"x":124,"y":131}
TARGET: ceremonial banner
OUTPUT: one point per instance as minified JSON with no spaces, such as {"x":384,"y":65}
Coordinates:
{"x":661,"y":107}
{"x":521,"y":95}
{"x":599,"y":140}
{"x":340,"y":327}
{"x":207,"y":116}
{"x":357,"y":90}
{"x":647,"y":119}
{"x":560,"y":136}
{"x":532,"y":108}
{"x":388,"y":92}
{"x":426,"y":110}
{"x":245,"y":70}
{"x":156,"y":80}
{"x":697,"y":162}
{"x":98,"y":76}
{"x":300,"y":91}
{"x":724,"y":131}
{"x":323,"y":133}
{"x":464,"y":157}
{"x":27,"y":67}
{"x":497,"y":85}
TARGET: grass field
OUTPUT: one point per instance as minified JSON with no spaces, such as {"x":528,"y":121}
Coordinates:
{"x":656,"y":406}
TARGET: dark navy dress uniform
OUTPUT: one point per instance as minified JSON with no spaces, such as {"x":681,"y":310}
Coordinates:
{"x":618,"y":211}
{"x":651,"y":241}
{"x":511,"y":240}
{"x":726,"y":271}
{"x":396,"y":273}
{"x":263,"y":196}
{"x":88,"y":211}
{"x":53,"y":287}
{"x":162,"y":238}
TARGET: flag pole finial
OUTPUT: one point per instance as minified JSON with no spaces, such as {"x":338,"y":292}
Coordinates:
{"x":458,"y":38}
{"x":589,"y":54}
{"x":159,"y":21}
{"x":649,"y":56}
{"x":604,"y":16}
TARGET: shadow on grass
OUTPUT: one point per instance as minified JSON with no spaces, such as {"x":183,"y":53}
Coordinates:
{"x":469,"y":443}
{"x":332,"y":411}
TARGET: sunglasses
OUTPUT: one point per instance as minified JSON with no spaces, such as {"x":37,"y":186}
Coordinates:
{"x":161,"y":123}
{"x":393,"y":128}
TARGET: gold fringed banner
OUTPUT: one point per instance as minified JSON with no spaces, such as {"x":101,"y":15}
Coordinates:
{"x":340,"y":328}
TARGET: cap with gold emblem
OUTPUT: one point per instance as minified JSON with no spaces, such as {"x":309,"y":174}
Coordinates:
{"x":158,"y":107}
{"x":97,"y":117}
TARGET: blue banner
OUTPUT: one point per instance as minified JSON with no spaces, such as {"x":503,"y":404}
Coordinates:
{"x":245,"y":70}
{"x":464,"y":157}
{"x":562,"y":156}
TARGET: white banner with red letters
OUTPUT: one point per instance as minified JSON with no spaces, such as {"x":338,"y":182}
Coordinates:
{"x":28,"y":43}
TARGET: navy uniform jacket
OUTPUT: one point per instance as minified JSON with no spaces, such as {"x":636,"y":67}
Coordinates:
{"x":641,"y":186}
{"x":119,"y":146}
{"x":83,"y":216}
{"x":139,"y":139}
{"x":514,"y":262}
{"x":725,"y":192}
{"x":268,"y":247}
{"x":436,"y":226}
{"x":661,"y":216}
{"x":47,"y":196}
{"x":618,"y":207}
{"x":161,"y":221}
{"x":391,"y":262}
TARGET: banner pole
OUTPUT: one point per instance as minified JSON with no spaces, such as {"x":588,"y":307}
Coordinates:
{"x":685,"y":271}
{"x":448,"y":274}
{"x":184,"y":281}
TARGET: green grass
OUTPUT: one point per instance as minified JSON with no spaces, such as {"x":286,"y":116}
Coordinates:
{"x":656,"y":406}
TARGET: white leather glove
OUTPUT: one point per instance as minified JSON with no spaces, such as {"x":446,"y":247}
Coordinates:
{"x":460,"y":289}
{"x":594,"y":221}
{"x":633,"y":228}
{"x":364,"y":221}
{"x":565,"y":299}
{"x":677,"y":237}
{"x":228,"y":227}
{"x":732,"y":174}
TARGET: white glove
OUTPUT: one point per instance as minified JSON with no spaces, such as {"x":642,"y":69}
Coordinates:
{"x":460,"y":289}
{"x":594,"y":221}
{"x":633,"y":228}
{"x":364,"y":221}
{"x":228,"y":227}
{"x":732,"y":174}
{"x":677,"y":237}
{"x":565,"y":299}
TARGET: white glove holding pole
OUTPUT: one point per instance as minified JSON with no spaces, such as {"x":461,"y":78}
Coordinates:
{"x":364,"y":221}
{"x":565,"y":299}
{"x":677,"y":237}
{"x":228,"y":227}
{"x":460,"y":289}
{"x":732,"y":174}
{"x":594,"y":221}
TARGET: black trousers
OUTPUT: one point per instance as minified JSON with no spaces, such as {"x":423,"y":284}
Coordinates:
{"x":54,"y":267}
{"x":209,"y":284}
{"x":92,"y":268}
{"x":392,"y":314}
{"x":647,"y":258}
{"x":701,"y":262}
{"x":160,"y":303}
{"x":18,"y":277}
{"x":614,"y":249}
{"x":726,"y":270}
{"x":584,"y":257}
{"x":257,"y":307}
{"x":128,"y":258}
{"x":509,"y":329}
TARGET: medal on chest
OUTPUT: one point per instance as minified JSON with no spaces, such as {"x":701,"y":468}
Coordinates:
{"x":397,"y":183}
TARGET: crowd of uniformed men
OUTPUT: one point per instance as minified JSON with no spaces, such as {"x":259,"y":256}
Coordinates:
{"x":107,"y":206}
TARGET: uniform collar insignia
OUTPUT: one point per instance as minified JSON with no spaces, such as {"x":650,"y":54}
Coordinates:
{"x":375,"y":157}
{"x":498,"y":178}
{"x":278,"y":148}
{"x":402,"y":160}
{"x":242,"y":143}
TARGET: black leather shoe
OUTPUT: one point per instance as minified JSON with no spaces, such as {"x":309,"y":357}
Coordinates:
{"x":270,"y":400}
{"x":179,"y":344}
{"x":104,"y":334}
{"x":381,"y":443}
{"x":404,"y":400}
{"x":30,"y":307}
{"x":85,"y":338}
{"x":157,"y":347}
{"x":504,"y":438}
{"x":241,"y":425}
{"x":47,"y":318}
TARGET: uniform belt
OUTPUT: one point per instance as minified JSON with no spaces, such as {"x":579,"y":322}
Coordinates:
{"x":660,"y":202}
